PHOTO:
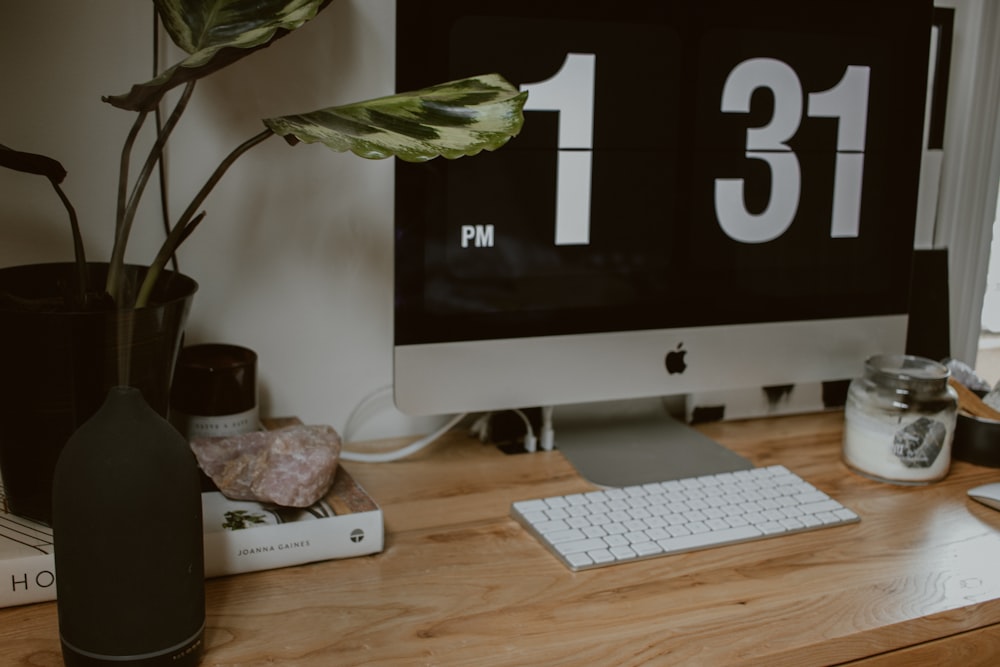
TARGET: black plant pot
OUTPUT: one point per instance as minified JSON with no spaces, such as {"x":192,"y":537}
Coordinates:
{"x":57,"y":365}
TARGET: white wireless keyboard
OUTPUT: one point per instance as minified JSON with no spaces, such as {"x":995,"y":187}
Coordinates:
{"x":610,"y":526}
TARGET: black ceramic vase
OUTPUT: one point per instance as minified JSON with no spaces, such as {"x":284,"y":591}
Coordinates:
{"x":128,"y":544}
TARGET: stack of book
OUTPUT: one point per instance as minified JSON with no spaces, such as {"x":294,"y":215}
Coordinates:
{"x":239,"y":537}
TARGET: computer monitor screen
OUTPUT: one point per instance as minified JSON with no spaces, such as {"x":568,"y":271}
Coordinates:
{"x":706,"y":194}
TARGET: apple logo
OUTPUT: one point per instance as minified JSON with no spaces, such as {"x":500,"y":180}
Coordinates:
{"x":675,"y":360}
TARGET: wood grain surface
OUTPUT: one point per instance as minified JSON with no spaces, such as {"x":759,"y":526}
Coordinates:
{"x":460,"y":583}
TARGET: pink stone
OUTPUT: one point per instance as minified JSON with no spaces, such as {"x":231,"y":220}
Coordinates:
{"x":292,"y":466}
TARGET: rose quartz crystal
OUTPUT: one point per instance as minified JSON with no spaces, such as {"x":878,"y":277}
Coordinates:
{"x":292,"y":466}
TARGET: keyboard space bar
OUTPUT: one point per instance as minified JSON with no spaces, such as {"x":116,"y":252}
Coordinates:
{"x":710,"y":539}
{"x":671,"y":544}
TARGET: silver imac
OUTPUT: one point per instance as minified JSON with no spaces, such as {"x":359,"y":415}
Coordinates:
{"x":706,"y":195}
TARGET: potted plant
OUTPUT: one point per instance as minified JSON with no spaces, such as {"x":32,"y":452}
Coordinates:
{"x":133,"y":316}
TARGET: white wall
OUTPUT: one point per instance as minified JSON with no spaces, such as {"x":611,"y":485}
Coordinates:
{"x":295,"y":256}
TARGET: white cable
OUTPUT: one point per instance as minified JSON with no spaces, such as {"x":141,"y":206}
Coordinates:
{"x":548,"y":435}
{"x":481,"y":427}
{"x":346,"y":432}
{"x":530,"y":441}
{"x":408,"y":450}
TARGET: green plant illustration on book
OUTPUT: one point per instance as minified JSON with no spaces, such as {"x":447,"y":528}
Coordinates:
{"x":242,"y":519}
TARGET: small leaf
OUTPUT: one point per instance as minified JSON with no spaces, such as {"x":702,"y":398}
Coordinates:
{"x":32,"y":163}
{"x":451,"y":119}
{"x":216,"y":33}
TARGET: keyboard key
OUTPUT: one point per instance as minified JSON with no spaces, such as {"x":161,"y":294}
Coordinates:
{"x":526,"y":506}
{"x":845,"y":514}
{"x":578,"y":560}
{"x":623,"y":552}
{"x":657,"y":534}
{"x":616,"y":541}
{"x":578,"y":546}
{"x":770,"y":528}
{"x":557,"y":536}
{"x":535,"y":517}
{"x":678,"y":531}
{"x":601,"y":556}
{"x":821,"y":506}
{"x":643,"y":549}
{"x":636,"y":537}
{"x":546,"y":526}
{"x":698,"y":527}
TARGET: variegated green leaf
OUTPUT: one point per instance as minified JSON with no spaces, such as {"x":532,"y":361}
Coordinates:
{"x":216,"y":33}
{"x":451,"y":119}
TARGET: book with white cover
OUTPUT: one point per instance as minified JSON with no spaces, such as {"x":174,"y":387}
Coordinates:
{"x":247,"y":536}
{"x":239,"y":537}
{"x":27,"y":569}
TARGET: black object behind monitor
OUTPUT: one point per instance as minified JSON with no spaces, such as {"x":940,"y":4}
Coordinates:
{"x":705,"y":195}
{"x":929,"y":331}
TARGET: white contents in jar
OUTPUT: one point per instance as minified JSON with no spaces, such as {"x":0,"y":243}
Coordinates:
{"x":878,"y":446}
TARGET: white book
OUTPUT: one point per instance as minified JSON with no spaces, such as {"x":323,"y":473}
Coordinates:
{"x":239,"y":537}
{"x":27,"y":568}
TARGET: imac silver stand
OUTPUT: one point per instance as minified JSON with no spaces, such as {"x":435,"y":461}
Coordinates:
{"x":623,"y":443}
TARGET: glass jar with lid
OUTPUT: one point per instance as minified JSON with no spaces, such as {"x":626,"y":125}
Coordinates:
{"x":899,"y":420}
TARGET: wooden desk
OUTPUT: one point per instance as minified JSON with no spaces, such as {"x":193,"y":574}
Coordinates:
{"x":917,"y":581}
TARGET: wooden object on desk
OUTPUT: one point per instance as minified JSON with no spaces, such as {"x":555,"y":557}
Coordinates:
{"x":971,"y":404}
{"x":915,"y":582}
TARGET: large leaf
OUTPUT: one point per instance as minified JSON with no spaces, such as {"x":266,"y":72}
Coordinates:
{"x":216,"y":33}
{"x":451,"y":119}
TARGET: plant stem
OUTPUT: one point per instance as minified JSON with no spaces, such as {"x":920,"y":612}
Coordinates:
{"x":161,"y":170}
{"x":123,"y":166}
{"x":114,"y":286}
{"x":187,"y":220}
{"x":164,"y":206}
{"x":78,"y":252}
